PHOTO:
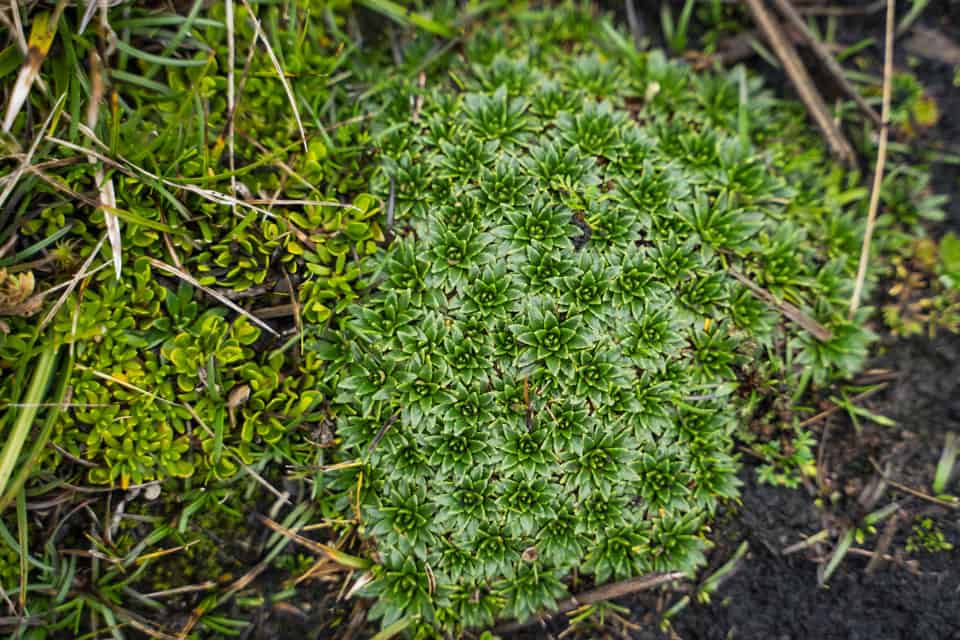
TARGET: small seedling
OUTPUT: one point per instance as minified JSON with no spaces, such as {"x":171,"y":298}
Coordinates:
{"x":927,"y":536}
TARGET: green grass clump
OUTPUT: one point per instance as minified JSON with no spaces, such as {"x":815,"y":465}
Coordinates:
{"x":545,"y":374}
{"x":169,"y":382}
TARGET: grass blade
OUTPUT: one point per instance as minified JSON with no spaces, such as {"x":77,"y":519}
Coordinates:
{"x":41,"y":441}
{"x":38,"y":385}
{"x":164,"y":61}
{"x":140,"y":81}
{"x":37,"y":247}
{"x":404,"y":16}
{"x":42,"y":31}
{"x":10,"y":59}
{"x":163,"y":21}
{"x":182,"y":32}
{"x":948,"y":458}
{"x":837,"y":557}
{"x":393,"y":630}
{"x":136,"y":219}
{"x":24,"y":546}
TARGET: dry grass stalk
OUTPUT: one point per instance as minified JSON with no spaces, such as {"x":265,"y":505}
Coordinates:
{"x":881,"y":161}
{"x":826,"y":58}
{"x":42,"y":31}
{"x":811,"y":98}
{"x":186,"y":277}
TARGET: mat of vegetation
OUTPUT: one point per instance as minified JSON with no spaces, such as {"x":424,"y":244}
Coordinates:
{"x":470,"y":312}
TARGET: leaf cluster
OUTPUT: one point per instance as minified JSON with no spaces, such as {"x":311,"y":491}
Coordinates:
{"x":543,"y":375}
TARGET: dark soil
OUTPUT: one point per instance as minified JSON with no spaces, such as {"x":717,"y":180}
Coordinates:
{"x":773,"y":595}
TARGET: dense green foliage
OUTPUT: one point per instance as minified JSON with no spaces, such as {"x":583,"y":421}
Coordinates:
{"x":545,"y":376}
{"x":156,"y":360}
{"x":484,"y":312}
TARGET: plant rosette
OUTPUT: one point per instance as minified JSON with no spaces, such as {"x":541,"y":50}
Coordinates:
{"x":545,"y":373}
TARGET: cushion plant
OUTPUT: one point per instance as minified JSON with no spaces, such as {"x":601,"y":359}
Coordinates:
{"x":544,"y":375}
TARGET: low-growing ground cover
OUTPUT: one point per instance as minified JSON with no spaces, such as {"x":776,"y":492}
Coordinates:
{"x":484,"y":314}
{"x":556,"y":331}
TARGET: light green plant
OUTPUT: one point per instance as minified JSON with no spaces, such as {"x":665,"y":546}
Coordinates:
{"x":927,"y":536}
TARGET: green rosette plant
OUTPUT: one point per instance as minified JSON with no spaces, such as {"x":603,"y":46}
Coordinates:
{"x":545,"y":372}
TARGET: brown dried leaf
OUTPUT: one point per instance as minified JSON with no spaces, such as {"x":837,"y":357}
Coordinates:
{"x":16,"y":290}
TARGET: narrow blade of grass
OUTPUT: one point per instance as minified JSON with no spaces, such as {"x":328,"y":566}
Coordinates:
{"x":42,"y":32}
{"x":137,"y":219}
{"x":24,"y":546}
{"x":406,"y":17}
{"x":37,"y":247}
{"x":712,"y":583}
{"x":18,"y":435}
{"x":837,"y":557}
{"x":164,"y":61}
{"x":63,"y":381}
{"x":948,"y":458}
{"x":140,"y":81}
{"x":182,"y":32}
{"x":393,"y":630}
{"x":10,"y":59}
{"x":163,"y":21}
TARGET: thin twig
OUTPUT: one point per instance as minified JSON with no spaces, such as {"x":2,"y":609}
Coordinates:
{"x":806,"y":543}
{"x":11,"y":182}
{"x":881,"y":161}
{"x":281,"y":74}
{"x":344,"y":560}
{"x":636,"y":24}
{"x":801,"y":80}
{"x":17,"y":28}
{"x":282,"y":497}
{"x":190,"y":588}
{"x":883,"y":544}
{"x":829,"y":10}
{"x":383,"y":431}
{"x":134,"y":171}
{"x":186,"y":277}
{"x":276,"y":311}
{"x":922,"y":495}
{"x":297,"y":320}
{"x":791,"y":312}
{"x":71,"y":285}
{"x":826,"y":413}
{"x":825,"y":57}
